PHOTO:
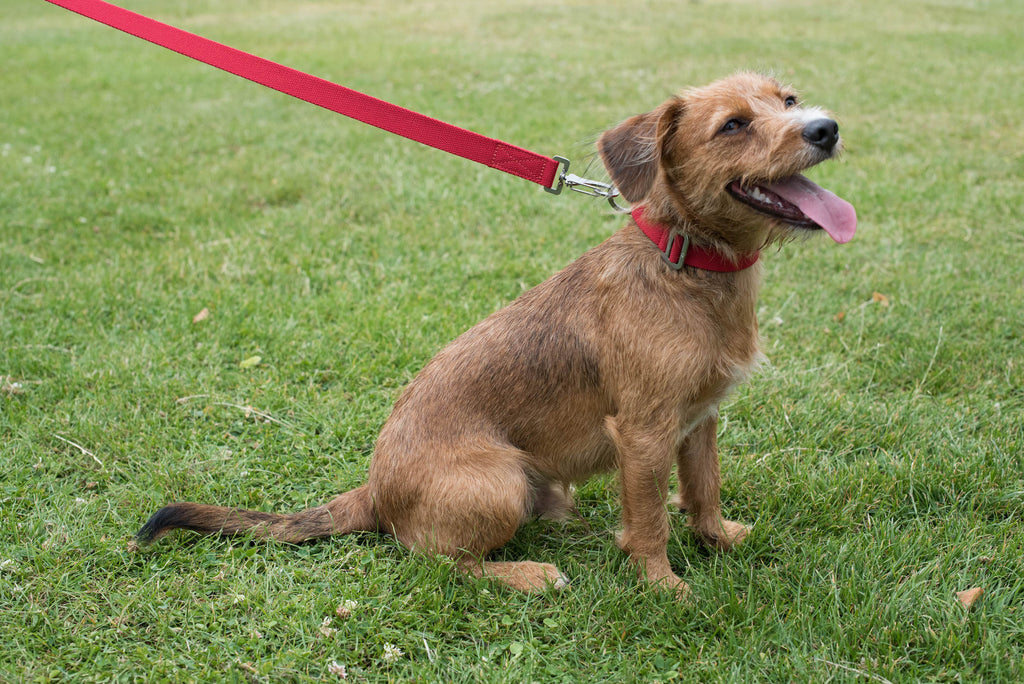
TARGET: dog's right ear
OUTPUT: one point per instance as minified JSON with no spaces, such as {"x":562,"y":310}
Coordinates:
{"x":633,"y":150}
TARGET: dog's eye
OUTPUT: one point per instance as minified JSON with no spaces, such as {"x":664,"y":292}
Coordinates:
{"x":790,"y":101}
{"x":733,"y":125}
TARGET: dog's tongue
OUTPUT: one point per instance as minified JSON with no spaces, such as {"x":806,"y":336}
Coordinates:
{"x":834,"y":214}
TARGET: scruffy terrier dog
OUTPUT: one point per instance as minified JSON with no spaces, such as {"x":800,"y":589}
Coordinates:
{"x":619,"y":361}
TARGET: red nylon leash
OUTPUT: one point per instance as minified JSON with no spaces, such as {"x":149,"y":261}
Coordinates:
{"x":676,"y":249}
{"x":351,"y":103}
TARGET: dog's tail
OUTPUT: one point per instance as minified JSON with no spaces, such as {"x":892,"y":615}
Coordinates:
{"x":349,"y":512}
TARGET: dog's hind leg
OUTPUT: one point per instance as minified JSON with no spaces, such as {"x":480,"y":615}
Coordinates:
{"x":467,"y":512}
{"x":700,"y":484}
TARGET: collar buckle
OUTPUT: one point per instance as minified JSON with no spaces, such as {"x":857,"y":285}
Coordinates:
{"x":666,"y":254}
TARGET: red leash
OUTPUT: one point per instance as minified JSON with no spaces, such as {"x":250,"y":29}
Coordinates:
{"x":406,"y":123}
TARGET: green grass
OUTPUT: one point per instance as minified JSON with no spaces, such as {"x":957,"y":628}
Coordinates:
{"x":879,"y":455}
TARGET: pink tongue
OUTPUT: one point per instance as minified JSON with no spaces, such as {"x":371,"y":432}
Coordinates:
{"x":834,"y":214}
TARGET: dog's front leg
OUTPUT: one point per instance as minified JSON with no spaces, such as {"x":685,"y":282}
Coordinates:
{"x":645,"y":463}
{"x":700,"y":484}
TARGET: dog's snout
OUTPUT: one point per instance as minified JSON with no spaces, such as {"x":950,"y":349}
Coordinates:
{"x":823,"y":133}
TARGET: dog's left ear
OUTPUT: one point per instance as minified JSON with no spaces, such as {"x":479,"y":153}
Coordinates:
{"x":633,"y":150}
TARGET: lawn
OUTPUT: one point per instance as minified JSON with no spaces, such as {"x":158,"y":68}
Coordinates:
{"x":210,"y":291}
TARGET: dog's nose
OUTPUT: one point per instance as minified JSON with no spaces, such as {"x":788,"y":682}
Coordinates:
{"x":823,"y":133}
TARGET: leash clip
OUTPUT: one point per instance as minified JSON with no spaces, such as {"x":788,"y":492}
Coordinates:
{"x":585,"y":186}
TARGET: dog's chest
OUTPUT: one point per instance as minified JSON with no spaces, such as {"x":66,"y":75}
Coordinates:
{"x":708,"y":351}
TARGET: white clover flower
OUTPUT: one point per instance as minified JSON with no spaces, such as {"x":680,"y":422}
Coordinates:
{"x":326,"y":629}
{"x":338,"y":669}
{"x":392,"y":653}
{"x":344,"y":610}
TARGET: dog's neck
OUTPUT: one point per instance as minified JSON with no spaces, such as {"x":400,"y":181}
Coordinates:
{"x":678,"y":252}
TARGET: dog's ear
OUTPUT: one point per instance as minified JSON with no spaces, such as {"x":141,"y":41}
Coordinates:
{"x":633,"y":150}
{"x":629,"y":152}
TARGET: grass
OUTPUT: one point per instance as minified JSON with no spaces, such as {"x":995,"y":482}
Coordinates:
{"x":879,"y":454}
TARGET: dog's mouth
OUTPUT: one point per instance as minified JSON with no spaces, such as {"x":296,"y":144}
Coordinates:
{"x":799,"y":202}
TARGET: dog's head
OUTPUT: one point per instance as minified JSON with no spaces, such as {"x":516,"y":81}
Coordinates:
{"x":726,"y":159}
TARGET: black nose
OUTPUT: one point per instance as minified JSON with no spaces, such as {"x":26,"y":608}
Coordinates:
{"x":823,"y":133}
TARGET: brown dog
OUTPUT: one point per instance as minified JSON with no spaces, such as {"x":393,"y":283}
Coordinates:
{"x":618,"y":361}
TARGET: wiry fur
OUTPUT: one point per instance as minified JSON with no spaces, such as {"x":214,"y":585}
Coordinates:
{"x":616,"y":362}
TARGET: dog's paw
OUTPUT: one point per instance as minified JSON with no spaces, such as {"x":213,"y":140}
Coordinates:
{"x":551,"y":577}
{"x":528,"y":576}
{"x":532,"y":577}
{"x":725,"y":535}
{"x":677,"y":586}
{"x":734,"y":533}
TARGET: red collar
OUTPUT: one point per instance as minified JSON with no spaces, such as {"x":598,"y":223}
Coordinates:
{"x":677,"y":251}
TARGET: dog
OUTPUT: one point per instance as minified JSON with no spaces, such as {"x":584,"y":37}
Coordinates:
{"x":617,"y":362}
